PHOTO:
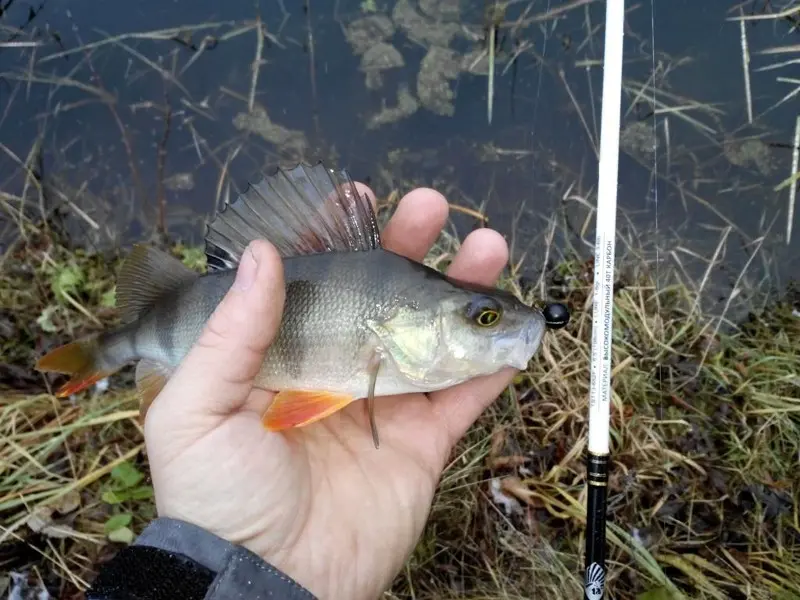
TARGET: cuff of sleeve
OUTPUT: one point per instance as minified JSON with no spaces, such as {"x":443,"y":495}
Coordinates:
{"x":239,"y":572}
{"x":234,"y":571}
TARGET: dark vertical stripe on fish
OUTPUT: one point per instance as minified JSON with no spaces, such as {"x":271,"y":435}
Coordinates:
{"x":166,"y":318}
{"x":291,"y":351}
{"x":135,"y":333}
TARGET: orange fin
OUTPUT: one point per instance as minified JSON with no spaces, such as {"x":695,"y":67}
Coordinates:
{"x":297,"y":408}
{"x":151,"y":377}
{"x":78,"y":359}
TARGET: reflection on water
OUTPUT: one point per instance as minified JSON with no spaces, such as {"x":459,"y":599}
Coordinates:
{"x":157,"y":104}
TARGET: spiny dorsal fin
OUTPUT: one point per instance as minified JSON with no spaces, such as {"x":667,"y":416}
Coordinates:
{"x":147,"y":275}
{"x":303,"y":210}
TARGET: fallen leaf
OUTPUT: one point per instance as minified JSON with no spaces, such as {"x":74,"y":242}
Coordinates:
{"x":498,"y":443}
{"x":41,"y":521}
{"x":505,"y":462}
{"x":68,"y":502}
{"x":122,"y":534}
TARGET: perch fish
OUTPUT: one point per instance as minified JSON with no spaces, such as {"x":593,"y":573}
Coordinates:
{"x":359,"y":321}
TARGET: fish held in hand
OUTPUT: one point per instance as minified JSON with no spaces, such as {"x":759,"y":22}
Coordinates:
{"x":359,"y":321}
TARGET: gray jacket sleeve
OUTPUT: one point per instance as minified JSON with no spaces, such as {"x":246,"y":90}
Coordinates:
{"x":174,"y":557}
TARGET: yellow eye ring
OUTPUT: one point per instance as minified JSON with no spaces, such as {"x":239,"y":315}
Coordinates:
{"x":487,"y":317}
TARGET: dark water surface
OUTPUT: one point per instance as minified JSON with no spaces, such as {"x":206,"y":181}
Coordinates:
{"x":710,"y":168}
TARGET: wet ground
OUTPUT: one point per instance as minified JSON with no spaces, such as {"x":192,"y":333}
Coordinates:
{"x":396,"y":91}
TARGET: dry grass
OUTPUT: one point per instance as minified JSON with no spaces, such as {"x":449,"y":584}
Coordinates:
{"x":704,"y":492}
{"x":705,"y":442}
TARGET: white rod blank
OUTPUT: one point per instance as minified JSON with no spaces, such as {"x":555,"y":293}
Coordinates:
{"x":606,"y":224}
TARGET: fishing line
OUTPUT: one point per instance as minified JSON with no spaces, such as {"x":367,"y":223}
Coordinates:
{"x":539,"y":83}
{"x":655,"y":126}
{"x":655,"y":163}
{"x":603,"y":305}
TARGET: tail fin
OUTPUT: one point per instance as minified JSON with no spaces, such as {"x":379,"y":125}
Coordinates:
{"x":81,"y":359}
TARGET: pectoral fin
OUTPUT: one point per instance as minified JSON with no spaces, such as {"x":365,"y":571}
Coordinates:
{"x":374,"y":365}
{"x":297,"y":408}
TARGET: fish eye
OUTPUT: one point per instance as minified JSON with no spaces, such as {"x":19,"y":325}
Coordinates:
{"x":484,"y":311}
{"x":487,"y":317}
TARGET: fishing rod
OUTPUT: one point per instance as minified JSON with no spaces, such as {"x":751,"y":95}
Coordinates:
{"x":603,"y":306}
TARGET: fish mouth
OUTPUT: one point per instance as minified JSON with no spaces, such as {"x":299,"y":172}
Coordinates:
{"x":525,"y":345}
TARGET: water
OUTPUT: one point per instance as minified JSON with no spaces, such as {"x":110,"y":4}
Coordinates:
{"x":524,"y":170}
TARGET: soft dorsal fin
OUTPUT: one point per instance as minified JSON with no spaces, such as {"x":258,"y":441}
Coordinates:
{"x":303,"y":210}
{"x":146,"y":275}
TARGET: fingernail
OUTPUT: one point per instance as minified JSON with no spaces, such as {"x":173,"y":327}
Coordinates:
{"x":246,"y":273}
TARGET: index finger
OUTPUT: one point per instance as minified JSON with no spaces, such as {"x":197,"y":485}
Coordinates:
{"x":416,"y":223}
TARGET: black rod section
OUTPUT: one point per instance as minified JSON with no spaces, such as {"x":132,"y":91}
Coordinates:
{"x":595,"y":577}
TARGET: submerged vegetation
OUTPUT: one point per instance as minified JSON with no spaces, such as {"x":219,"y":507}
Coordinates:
{"x":704,"y":499}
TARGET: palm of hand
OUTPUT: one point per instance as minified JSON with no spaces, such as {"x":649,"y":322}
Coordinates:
{"x":320,"y":502}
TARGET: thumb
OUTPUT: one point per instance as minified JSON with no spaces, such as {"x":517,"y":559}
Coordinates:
{"x":216,"y":376}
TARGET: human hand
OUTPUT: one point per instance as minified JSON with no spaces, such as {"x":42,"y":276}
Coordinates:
{"x":320,"y":502}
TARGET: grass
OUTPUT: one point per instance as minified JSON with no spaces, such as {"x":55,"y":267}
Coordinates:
{"x":703,"y":501}
{"x":705,"y":445}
